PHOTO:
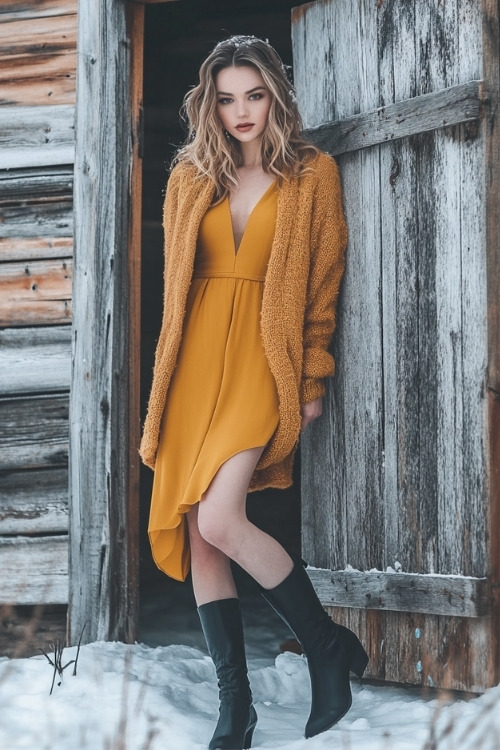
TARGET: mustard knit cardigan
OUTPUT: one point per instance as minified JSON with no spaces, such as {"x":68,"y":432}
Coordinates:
{"x":298,"y":307}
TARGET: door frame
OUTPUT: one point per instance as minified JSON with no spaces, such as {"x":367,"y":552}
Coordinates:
{"x":104,"y":398}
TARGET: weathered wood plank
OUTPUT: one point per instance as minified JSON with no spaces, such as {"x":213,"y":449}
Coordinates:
{"x":46,"y":182}
{"x":461,"y":103}
{"x":34,"y":570}
{"x":456,"y":596}
{"x":24,"y":630}
{"x":490,"y":36}
{"x":421,"y":649}
{"x":49,"y":219}
{"x":15,"y":9}
{"x":35,"y":360}
{"x":101,"y":509}
{"x":36,"y":292}
{"x":399,"y":258}
{"x":33,"y":432}
{"x":34,"y":502}
{"x":41,"y":248}
{"x":37,"y":136}
{"x":38,"y":60}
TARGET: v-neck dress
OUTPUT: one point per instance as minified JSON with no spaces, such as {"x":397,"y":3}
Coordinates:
{"x":222,"y":398}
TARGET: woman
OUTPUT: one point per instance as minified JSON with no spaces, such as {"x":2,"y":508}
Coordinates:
{"x":254,"y":239}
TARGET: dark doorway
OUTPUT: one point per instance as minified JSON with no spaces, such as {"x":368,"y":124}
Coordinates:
{"x":177,"y":38}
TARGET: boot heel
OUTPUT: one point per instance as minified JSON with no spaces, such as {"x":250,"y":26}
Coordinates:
{"x":359,"y":659}
{"x":248,"y":739}
{"x":352,"y":644}
{"x":247,"y":743}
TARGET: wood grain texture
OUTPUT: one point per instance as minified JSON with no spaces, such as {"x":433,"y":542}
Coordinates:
{"x":457,"y":596}
{"x":38,"y":60}
{"x":45,"y":182}
{"x":34,"y":502}
{"x":35,"y":292}
{"x":456,"y":104}
{"x":36,"y":136}
{"x":16,"y":9}
{"x":490,"y":42}
{"x":396,"y":473}
{"x":100,"y":425}
{"x":52,"y":218}
{"x":34,"y":570}
{"x":24,"y":630}
{"x":421,"y":649}
{"x":33,"y":432}
{"x":39,"y":248}
{"x":34,"y":360}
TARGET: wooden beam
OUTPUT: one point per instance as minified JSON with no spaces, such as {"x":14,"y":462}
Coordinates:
{"x":102,"y":562}
{"x":34,"y":502}
{"x":37,"y":136}
{"x":34,"y":360}
{"x":34,"y":570}
{"x":403,"y":592}
{"x":490,"y":34}
{"x":450,"y":106}
{"x":33,"y":432}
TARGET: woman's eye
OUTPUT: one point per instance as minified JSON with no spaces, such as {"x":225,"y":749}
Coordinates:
{"x":256,"y":96}
{"x":225,"y":100}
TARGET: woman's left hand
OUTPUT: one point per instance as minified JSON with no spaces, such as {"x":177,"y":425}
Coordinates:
{"x":310,"y":411}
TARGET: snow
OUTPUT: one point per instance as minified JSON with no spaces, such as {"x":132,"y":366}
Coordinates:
{"x":151,"y":697}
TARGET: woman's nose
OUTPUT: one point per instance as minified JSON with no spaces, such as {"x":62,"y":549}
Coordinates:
{"x":242,"y":108}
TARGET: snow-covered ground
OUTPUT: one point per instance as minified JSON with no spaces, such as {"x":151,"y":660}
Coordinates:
{"x":146,"y":697}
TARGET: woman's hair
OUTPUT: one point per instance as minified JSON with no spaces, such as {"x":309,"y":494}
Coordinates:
{"x":214,"y":152}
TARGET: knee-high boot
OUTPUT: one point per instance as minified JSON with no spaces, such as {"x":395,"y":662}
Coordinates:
{"x":223,"y":631}
{"x":332,"y":650}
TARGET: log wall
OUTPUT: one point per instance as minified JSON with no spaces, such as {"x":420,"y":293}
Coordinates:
{"x":37,"y":142}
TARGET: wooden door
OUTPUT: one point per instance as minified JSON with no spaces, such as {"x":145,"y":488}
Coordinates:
{"x":400,"y":484}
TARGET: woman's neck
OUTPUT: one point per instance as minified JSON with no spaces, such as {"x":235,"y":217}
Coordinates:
{"x":251,"y":155}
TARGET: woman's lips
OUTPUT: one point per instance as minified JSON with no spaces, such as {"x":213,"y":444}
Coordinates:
{"x":244,"y":126}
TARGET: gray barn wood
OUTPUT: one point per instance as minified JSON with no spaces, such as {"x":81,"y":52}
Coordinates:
{"x":37,"y":136}
{"x":451,"y":106}
{"x":398,"y":471}
{"x":35,"y":359}
{"x":34,"y":502}
{"x":34,"y":570}
{"x":100,"y":409}
{"x":403,"y":592}
{"x":33,"y":432}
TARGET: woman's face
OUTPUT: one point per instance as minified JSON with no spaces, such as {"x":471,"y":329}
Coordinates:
{"x":243,"y":102}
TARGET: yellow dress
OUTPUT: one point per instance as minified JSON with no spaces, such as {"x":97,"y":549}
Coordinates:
{"x":222,"y":398}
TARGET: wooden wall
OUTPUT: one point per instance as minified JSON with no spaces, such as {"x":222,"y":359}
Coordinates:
{"x":37,"y":97}
{"x":399,"y":481}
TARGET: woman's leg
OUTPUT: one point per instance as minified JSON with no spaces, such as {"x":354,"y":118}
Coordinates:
{"x":210,"y":568}
{"x":223,"y":524}
{"x":332,"y":650}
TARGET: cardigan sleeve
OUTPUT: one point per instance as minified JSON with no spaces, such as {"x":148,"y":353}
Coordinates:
{"x":327,"y":262}
{"x":169,"y":214}
{"x":147,"y":448}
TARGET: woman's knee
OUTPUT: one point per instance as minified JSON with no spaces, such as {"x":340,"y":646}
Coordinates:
{"x":217,"y":529}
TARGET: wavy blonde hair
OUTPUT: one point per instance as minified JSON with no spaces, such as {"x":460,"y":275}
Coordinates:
{"x":216,"y":154}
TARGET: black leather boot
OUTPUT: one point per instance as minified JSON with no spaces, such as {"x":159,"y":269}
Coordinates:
{"x":332,"y":650}
{"x":223,"y":631}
